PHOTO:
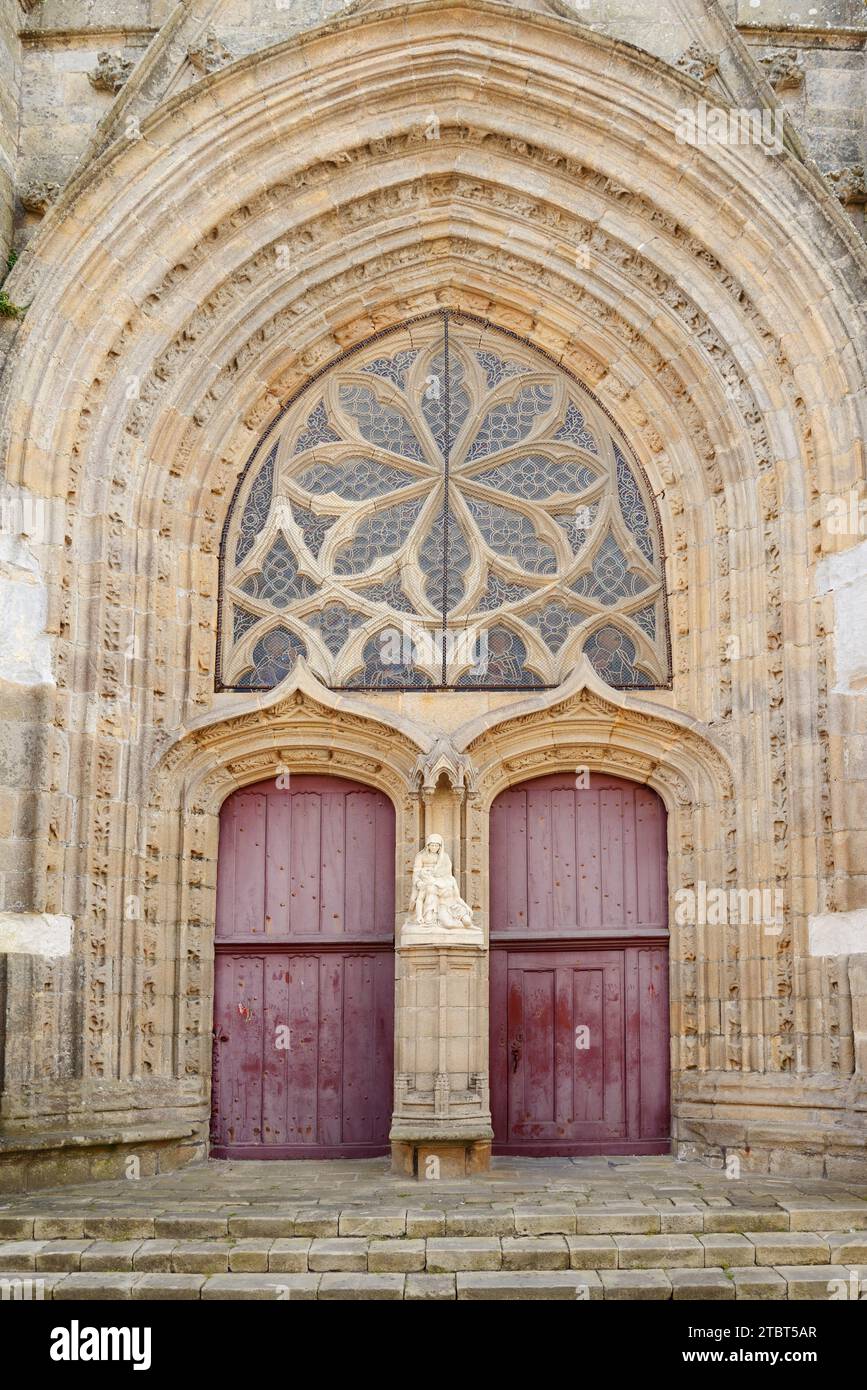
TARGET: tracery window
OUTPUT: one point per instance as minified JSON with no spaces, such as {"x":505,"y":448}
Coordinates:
{"x":444,"y":507}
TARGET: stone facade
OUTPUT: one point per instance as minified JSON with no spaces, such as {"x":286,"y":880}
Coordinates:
{"x":222,"y":227}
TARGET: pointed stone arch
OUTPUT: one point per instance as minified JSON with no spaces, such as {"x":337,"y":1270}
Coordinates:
{"x":139,"y":382}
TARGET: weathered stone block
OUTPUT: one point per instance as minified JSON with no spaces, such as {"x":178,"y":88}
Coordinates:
{"x":395,"y":1256}
{"x":430,"y":1288}
{"x":375,"y":1222}
{"x":759,"y":1284}
{"x":169,"y":1287}
{"x":728,"y":1249}
{"x":535,"y":1252}
{"x":659,"y":1252}
{"x":339,"y":1255}
{"x":365,"y":1287}
{"x":792,"y":1247}
{"x":568,"y":1285}
{"x":289,"y":1256}
{"x":634,"y":1284}
{"x":702,"y":1284}
{"x":285,"y":1288}
{"x":445,"y":1256}
{"x":592,"y":1252}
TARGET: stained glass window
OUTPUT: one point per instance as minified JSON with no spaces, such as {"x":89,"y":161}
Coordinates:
{"x":445,"y":507}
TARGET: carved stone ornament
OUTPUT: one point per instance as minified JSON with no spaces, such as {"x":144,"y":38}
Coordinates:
{"x":209,"y":54}
{"x":697,"y":63}
{"x":848,"y":184}
{"x":111,"y":72}
{"x":438,"y":913}
{"x":444,"y":758}
{"x":38,"y":194}
{"x":783,"y":69}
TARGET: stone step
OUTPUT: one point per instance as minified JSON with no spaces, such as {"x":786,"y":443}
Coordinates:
{"x":312,"y":1221}
{"x":435,"y":1255}
{"x":782,"y":1282}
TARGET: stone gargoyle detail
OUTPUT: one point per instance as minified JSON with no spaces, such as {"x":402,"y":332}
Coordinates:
{"x":111,"y":72}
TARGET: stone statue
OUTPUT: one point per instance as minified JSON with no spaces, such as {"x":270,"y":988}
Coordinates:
{"x":435,"y":895}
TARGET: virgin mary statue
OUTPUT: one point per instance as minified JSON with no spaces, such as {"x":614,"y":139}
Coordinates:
{"x":435,"y":894}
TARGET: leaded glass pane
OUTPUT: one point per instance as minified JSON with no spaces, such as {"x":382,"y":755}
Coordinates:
{"x":610,"y":578}
{"x":511,"y":533}
{"x":394,"y":368}
{"x":380,"y":424}
{"x":278,"y":581}
{"x":632,"y":506}
{"x":498,"y":593}
{"x":312,"y":527}
{"x":256,"y":509}
{"x":501,"y":662}
{"x":497,"y":369}
{"x":555,"y":622}
{"x":577,"y":525}
{"x":390,"y":591}
{"x":242,"y":621}
{"x":509,"y":422}
{"x":646,"y":619}
{"x":388,"y":664}
{"x":611,"y":653}
{"x":431,"y":557}
{"x":273,"y":659}
{"x":355,"y":478}
{"x":318,"y":431}
{"x":433,"y":402}
{"x":574,"y":429}
{"x":533,"y":476}
{"x":334,"y":623}
{"x":378,"y":535}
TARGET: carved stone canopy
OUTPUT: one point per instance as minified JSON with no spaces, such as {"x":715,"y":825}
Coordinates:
{"x":443,"y":757}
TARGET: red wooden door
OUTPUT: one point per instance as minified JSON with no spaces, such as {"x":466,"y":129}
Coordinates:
{"x":304,"y":972}
{"x":579,"y":968}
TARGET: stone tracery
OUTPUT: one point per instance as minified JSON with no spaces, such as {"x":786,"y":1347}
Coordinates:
{"x":502,"y":489}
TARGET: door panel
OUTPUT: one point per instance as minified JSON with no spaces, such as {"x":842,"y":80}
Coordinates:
{"x":579,"y":969}
{"x":304,"y":972}
{"x":568,"y":860}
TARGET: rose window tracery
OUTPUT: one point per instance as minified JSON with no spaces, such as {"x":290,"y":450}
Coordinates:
{"x":444,"y":507}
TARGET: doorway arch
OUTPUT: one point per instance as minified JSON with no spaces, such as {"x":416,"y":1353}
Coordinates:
{"x":579,"y":1037}
{"x":304,"y":970}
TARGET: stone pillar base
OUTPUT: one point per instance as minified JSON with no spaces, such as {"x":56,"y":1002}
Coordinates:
{"x":430,"y":1159}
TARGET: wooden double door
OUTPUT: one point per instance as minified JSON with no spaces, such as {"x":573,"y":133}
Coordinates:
{"x":304,"y":972}
{"x":579,"y":968}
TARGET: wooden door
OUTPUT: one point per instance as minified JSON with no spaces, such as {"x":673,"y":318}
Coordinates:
{"x":579,"y":969}
{"x":304,"y":972}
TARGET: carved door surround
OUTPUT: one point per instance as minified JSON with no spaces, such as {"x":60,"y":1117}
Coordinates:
{"x":443,"y":782}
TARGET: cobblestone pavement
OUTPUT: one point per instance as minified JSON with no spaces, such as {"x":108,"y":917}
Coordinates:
{"x":618,"y":1228}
